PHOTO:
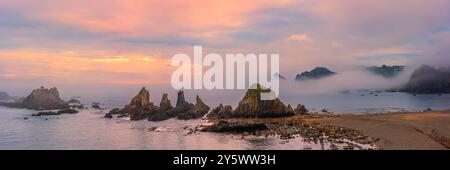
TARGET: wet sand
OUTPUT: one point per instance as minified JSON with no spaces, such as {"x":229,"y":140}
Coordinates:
{"x":417,"y":131}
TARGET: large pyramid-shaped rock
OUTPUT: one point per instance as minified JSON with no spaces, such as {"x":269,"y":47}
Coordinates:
{"x":140,"y":106}
{"x":252,"y":105}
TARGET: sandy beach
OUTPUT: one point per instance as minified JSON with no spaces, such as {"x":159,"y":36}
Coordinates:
{"x":418,"y":130}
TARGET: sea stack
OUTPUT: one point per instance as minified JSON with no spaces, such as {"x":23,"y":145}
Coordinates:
{"x":252,"y":105}
{"x":182,"y":105}
{"x":197,"y":111}
{"x":140,"y":106}
{"x":41,"y":99}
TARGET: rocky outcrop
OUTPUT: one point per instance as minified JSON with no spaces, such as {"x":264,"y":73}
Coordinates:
{"x":197,"y":111}
{"x":41,"y":99}
{"x":428,"y":80}
{"x":252,"y":105}
{"x":140,"y":108}
{"x":165,"y":104}
{"x":386,"y":71}
{"x":165,"y":110}
{"x":316,"y":73}
{"x":182,"y":105}
{"x":60,"y":112}
{"x":301,"y":109}
{"x":235,"y":127}
{"x":221,"y":112}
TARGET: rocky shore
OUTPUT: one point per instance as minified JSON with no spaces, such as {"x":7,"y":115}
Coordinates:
{"x":291,"y":127}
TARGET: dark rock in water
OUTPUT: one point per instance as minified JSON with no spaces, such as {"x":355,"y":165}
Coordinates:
{"x":108,"y":115}
{"x":160,"y":116}
{"x":67,"y":111}
{"x":235,"y":127}
{"x":73,"y":101}
{"x":182,"y":105}
{"x":316,"y":73}
{"x":199,"y":110}
{"x":301,"y":109}
{"x":41,"y":99}
{"x":46,"y":114}
{"x":115,"y":111}
{"x":60,"y":112}
{"x":77,"y":106}
{"x":386,"y":71}
{"x":252,"y":105}
{"x":221,"y":112}
{"x":428,"y":80}
{"x":96,"y":105}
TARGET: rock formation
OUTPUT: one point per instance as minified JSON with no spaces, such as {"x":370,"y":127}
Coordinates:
{"x":182,"y":105}
{"x":316,"y":73}
{"x":252,"y":105}
{"x":140,"y":108}
{"x":301,"y":109}
{"x":197,"y":111}
{"x":221,"y":112}
{"x":428,"y":80}
{"x":165,"y":110}
{"x":41,"y":99}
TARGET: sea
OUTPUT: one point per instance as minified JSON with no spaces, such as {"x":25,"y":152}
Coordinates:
{"x":89,"y":130}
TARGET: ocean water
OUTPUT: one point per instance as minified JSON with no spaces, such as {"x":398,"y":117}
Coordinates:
{"x":89,"y":130}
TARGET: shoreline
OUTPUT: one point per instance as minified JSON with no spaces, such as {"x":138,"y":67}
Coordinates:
{"x":400,"y":130}
{"x":427,"y":130}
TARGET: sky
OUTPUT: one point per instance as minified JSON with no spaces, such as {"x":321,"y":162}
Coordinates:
{"x":107,"y":44}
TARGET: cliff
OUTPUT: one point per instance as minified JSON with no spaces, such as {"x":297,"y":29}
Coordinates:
{"x":428,"y":80}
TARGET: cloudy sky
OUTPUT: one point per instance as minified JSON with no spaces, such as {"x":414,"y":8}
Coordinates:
{"x":131,"y":42}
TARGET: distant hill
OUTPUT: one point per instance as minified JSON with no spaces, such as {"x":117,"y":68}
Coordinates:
{"x":428,"y":80}
{"x":4,"y":96}
{"x":386,"y":71}
{"x":316,"y":73}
